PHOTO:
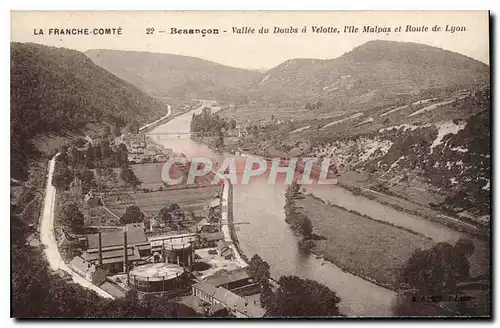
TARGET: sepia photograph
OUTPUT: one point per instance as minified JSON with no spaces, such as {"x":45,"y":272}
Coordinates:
{"x":250,"y":164}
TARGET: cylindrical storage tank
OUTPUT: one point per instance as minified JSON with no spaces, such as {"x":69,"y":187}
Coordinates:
{"x":179,"y":253}
{"x":158,"y":277}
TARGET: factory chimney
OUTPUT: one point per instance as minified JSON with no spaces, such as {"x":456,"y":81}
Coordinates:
{"x":100,"y":249}
{"x":125,"y":254}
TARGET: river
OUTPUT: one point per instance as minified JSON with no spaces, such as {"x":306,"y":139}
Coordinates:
{"x":269,"y":235}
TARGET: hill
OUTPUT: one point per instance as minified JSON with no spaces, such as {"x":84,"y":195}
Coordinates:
{"x":373,"y":72}
{"x":174,"y":75}
{"x":58,"y":90}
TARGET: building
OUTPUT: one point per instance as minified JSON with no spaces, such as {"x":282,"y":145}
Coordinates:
{"x":210,"y":239}
{"x":236,"y":305}
{"x":109,"y":249}
{"x":237,"y":281}
{"x":87,"y":270}
{"x":67,"y":244}
{"x":224,"y":250}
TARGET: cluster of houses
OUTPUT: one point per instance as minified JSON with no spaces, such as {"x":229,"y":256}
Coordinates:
{"x":140,"y":151}
{"x":98,"y":257}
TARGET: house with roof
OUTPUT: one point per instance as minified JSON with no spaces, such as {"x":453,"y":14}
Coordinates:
{"x":238,"y":281}
{"x":230,"y":279}
{"x":112,"y":248}
{"x":224,"y":250}
{"x":209,"y":239}
{"x":87,"y":270}
{"x":238,"y":306}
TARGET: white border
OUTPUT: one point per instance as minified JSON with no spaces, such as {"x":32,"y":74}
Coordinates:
{"x":200,"y":5}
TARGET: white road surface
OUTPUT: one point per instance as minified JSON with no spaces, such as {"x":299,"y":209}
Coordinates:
{"x":225,"y":226}
{"x":169,"y":111}
{"x":48,"y":238}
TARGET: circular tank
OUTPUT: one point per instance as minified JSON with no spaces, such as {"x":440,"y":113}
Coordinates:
{"x":157,"y":277}
{"x":178,"y":252}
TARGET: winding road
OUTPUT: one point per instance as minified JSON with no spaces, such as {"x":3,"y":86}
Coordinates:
{"x":47,"y":235}
{"x":48,"y":238}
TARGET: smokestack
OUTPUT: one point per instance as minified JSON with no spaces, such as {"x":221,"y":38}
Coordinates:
{"x":125,"y":254}
{"x":100,"y":249}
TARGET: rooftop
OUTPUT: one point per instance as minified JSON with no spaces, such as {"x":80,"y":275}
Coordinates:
{"x":112,"y":256}
{"x":211,"y":236}
{"x":227,"y":277}
{"x":157,"y":271}
{"x":82,"y":265}
{"x":206,"y":288}
{"x":238,"y":303}
{"x":135,"y":235}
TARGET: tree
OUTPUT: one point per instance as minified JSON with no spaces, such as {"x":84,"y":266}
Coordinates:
{"x":266,"y":294}
{"x":121,"y":155}
{"x":88,"y":180}
{"x":73,"y":217}
{"x":80,"y":142}
{"x":115,"y":131}
{"x":62,"y":178}
{"x":259,"y":269}
{"x":106,"y":130}
{"x":132,"y":214}
{"x":437,"y":270}
{"x":297,"y":297}
{"x":105,"y":150}
{"x":308,"y":106}
{"x":173,"y":211}
{"x":232,"y":123}
{"x":134,"y":127}
{"x":128,"y":176}
{"x":305,"y":227}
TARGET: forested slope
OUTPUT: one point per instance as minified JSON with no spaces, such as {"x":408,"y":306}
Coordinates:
{"x":60,"y":90}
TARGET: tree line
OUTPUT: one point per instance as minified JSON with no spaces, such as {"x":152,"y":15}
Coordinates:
{"x":299,"y":222}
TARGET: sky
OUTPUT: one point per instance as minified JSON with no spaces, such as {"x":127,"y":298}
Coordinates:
{"x":254,"y":51}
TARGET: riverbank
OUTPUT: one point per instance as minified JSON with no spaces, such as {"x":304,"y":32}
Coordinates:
{"x":227,"y":219}
{"x":409,"y":207}
{"x":360,"y":245}
{"x":232,"y":229}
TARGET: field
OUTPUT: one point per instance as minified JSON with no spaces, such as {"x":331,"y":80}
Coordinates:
{"x":150,"y":174}
{"x":359,"y":245}
{"x":194,"y":199}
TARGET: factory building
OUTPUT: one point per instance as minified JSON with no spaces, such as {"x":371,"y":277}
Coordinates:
{"x":239,"y":306}
{"x":116,"y":250}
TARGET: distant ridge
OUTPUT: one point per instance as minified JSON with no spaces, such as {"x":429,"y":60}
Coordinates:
{"x":371,"y":72}
{"x":374,"y":70}
{"x":173,"y":75}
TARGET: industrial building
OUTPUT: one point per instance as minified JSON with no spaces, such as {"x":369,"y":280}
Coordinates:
{"x":237,"y":281}
{"x":108,"y":249}
{"x":238,"y":306}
